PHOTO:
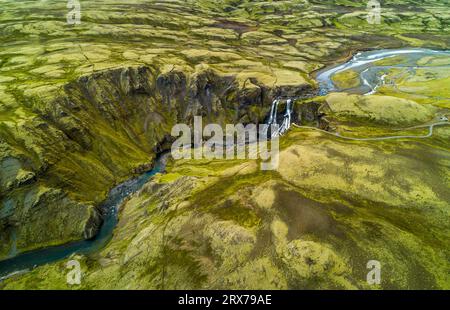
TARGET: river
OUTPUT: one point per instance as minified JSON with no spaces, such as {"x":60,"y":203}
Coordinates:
{"x":372,"y":75}
{"x":29,"y":260}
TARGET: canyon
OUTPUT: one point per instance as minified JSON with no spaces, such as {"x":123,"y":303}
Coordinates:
{"x":86,"y":107}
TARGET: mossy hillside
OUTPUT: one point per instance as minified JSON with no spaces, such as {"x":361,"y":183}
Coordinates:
{"x":426,"y":85}
{"x":383,"y":110}
{"x":315,"y":226}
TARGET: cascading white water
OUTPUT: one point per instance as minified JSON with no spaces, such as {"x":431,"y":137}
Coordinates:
{"x":273,"y":112}
{"x":286,"y":123}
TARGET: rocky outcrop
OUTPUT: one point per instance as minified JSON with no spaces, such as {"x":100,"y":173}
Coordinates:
{"x":310,"y":113}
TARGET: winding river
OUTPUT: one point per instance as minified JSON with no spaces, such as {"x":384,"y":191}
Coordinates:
{"x":370,"y":80}
{"x":27,"y":261}
{"x":371,"y":74}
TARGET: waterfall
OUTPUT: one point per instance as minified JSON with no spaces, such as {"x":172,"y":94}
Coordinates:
{"x":286,"y":123}
{"x":273,"y":112}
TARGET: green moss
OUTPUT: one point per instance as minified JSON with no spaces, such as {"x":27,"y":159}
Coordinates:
{"x":379,"y":109}
{"x":346,"y":79}
{"x":169,"y":177}
{"x":243,"y":216}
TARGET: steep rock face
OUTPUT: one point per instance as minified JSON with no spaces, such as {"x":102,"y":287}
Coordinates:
{"x":59,"y":163}
{"x":310,"y":113}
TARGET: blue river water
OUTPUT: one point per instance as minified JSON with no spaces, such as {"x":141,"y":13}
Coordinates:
{"x":364,"y":63}
{"x":27,"y":261}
